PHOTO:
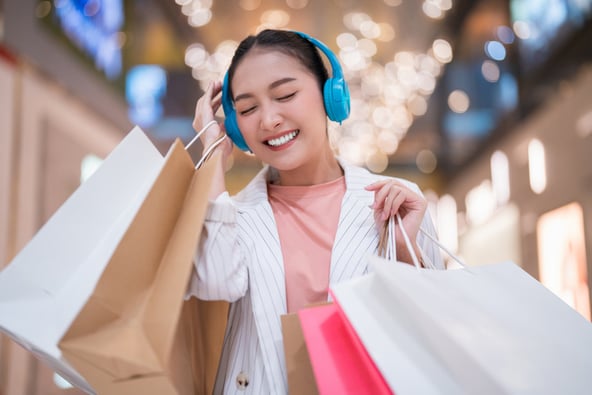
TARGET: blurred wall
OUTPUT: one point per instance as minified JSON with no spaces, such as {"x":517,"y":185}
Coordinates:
{"x":44,"y":134}
{"x":564,"y":127}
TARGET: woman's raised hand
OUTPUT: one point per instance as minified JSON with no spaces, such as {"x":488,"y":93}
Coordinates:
{"x":392,"y":197}
{"x":205,"y":111}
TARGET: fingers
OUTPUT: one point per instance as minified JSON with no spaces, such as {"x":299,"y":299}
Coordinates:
{"x":216,"y":103}
{"x":376,"y":185}
{"x":392,"y":196}
{"x":207,"y":105}
{"x":392,"y":203}
{"x":388,"y":200}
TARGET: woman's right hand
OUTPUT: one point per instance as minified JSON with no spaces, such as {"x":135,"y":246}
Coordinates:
{"x":205,"y":109}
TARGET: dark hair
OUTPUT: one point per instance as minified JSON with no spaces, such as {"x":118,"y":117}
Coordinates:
{"x":288,"y":42}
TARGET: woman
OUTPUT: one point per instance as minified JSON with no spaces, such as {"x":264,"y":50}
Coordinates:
{"x":306,"y":221}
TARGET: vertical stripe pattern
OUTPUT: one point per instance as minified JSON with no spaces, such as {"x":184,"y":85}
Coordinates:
{"x":240,"y":260}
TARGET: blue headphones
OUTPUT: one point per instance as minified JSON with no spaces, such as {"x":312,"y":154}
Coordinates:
{"x":335,"y":96}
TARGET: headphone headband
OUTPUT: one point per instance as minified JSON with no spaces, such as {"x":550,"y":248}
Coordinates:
{"x":335,"y":95}
{"x":336,"y":71}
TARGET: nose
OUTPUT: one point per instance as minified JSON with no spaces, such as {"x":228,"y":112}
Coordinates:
{"x":271,"y":118}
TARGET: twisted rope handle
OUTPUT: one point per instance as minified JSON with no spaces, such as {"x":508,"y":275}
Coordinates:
{"x":208,"y":151}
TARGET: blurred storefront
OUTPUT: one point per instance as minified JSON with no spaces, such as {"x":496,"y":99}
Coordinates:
{"x":53,"y":117}
{"x":486,"y":104}
{"x":522,"y":192}
{"x":527,"y":197}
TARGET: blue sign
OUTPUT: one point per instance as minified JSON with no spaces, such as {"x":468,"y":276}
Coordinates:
{"x":94,"y":26}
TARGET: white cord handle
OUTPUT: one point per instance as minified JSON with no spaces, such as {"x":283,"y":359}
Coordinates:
{"x":207,"y":152}
{"x":428,"y":262}
{"x":408,"y":243}
{"x":391,"y":250}
{"x":450,"y":254}
{"x":198,"y":135}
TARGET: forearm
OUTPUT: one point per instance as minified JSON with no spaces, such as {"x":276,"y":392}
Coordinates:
{"x":218,"y":182}
{"x":220,"y":271}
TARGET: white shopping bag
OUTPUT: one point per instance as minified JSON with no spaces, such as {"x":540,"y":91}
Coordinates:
{"x":49,"y":281}
{"x":490,"y":329}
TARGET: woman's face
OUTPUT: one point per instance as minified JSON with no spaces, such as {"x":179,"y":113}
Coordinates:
{"x":279,"y":109}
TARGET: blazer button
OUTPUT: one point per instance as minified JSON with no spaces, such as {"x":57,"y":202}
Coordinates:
{"x":242,"y":381}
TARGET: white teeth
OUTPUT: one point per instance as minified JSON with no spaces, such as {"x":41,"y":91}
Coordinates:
{"x":282,"y":140}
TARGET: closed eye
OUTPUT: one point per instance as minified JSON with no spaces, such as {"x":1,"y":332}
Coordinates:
{"x":280,"y":99}
{"x":287,"y":97}
{"x":247,"y":111}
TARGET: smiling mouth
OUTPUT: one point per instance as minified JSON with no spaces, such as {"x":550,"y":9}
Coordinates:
{"x":283,"y":139}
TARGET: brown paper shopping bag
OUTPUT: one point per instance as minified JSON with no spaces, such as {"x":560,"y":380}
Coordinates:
{"x":203,"y":323}
{"x":301,"y":380}
{"x":136,"y":334}
{"x":47,"y":283}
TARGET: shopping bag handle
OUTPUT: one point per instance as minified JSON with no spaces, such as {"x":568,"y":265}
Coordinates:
{"x":207,"y":152}
{"x":450,"y":253}
{"x":391,"y":240}
{"x":391,"y":250}
{"x":386,"y":244}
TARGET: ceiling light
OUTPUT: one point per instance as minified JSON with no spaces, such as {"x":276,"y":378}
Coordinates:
{"x":432,"y":10}
{"x":522,"y":29}
{"x":458,"y":101}
{"x":347,"y":41}
{"x":537,"y":169}
{"x":495,"y":50}
{"x":490,"y":71}
{"x":276,"y":18}
{"x":297,"y":4}
{"x":426,"y":161}
{"x":376,"y":161}
{"x":387,"y":32}
{"x":200,"y":17}
{"x":505,"y":34}
{"x":500,"y":176}
{"x":249,"y":5}
{"x":442,"y":50}
{"x":584,"y":125}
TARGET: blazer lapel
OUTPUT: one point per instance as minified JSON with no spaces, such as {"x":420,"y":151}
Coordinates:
{"x":266,"y":276}
{"x":356,"y":236}
{"x":267,"y":267}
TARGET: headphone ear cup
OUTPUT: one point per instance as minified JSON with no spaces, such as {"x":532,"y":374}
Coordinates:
{"x":232,"y":130}
{"x":336,"y":99}
{"x":230,"y":122}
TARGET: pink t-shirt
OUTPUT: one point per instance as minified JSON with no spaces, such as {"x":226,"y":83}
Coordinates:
{"x":307,"y":218}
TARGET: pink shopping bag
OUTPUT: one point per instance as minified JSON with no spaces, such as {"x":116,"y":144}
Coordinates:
{"x":340,"y":362}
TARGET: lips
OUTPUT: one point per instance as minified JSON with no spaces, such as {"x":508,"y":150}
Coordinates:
{"x":286,"y":138}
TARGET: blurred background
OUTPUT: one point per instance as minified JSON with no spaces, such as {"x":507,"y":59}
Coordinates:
{"x":486,"y":104}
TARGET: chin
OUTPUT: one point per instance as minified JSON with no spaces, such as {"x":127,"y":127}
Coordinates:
{"x":286,"y":164}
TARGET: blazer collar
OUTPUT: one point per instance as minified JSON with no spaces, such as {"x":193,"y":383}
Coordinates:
{"x":356,"y":178}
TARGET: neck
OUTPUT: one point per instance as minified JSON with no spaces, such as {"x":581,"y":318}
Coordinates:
{"x":324,"y":170}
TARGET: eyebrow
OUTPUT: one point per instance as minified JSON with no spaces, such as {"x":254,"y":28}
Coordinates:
{"x":273,"y":85}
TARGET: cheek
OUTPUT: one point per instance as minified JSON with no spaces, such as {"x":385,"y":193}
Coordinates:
{"x":315,"y":106}
{"x":248,"y":128}
{"x":252,"y":137}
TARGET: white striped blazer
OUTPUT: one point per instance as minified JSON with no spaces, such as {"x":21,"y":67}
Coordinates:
{"x":240,"y":260}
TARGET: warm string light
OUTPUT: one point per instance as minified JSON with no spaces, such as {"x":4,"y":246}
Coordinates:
{"x":386,"y":98}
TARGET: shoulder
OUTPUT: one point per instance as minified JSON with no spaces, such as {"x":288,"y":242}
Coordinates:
{"x":255,"y":192}
{"x":357,"y":177}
